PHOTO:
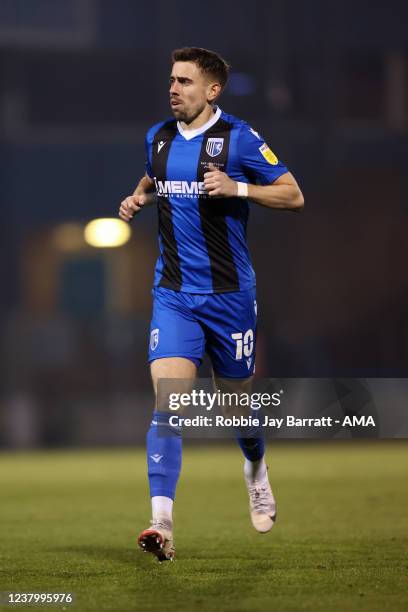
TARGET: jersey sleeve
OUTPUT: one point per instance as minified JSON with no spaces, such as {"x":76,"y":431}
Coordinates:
{"x":148,"y":149}
{"x":258,"y":162}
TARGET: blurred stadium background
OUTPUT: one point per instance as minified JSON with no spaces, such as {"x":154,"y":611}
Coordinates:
{"x":326,"y":83}
{"x":80,"y":82}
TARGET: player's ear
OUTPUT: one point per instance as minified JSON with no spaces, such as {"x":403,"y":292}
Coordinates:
{"x":213,"y":91}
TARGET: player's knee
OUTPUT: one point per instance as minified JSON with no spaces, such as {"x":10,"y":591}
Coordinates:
{"x":172,"y":377}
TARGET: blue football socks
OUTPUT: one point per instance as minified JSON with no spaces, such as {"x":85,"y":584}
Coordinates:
{"x":253,"y":448}
{"x":251,"y":441}
{"x":164,"y":445}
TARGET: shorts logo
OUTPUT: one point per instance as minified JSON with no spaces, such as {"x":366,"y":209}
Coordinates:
{"x":268,"y":154}
{"x":160,"y":145}
{"x":156,"y":458}
{"x":214,"y":146}
{"x":154,"y":339}
{"x":255,"y":308}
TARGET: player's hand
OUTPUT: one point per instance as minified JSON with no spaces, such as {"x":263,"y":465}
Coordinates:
{"x":131,"y":205}
{"x":219,"y":184}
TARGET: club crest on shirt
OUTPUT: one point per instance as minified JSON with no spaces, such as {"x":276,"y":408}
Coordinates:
{"x":154,"y":339}
{"x":214,"y":146}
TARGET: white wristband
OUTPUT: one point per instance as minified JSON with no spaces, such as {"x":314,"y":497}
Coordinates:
{"x":242,"y":190}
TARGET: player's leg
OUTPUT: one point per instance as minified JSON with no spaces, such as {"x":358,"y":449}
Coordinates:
{"x":164,"y":452}
{"x":176,"y":347}
{"x":250,"y":439}
{"x":262,"y":503}
{"x":164,"y":444}
{"x":231,"y":343}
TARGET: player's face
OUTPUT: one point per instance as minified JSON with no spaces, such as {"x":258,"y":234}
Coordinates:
{"x":190,"y":91}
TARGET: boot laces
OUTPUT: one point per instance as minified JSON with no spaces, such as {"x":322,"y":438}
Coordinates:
{"x":260,"y":498}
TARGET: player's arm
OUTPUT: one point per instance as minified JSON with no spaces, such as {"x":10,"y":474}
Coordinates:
{"x":142,"y":196}
{"x":283,"y":193}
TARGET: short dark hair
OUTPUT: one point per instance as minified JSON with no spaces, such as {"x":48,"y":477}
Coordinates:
{"x":210,"y":62}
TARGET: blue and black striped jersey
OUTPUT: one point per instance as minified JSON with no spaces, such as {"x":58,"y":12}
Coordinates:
{"x":202,"y":239}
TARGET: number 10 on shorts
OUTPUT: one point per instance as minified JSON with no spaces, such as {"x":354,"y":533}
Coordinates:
{"x":244,"y":343}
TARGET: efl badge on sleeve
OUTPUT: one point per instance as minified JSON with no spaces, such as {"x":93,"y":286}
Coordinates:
{"x":268,"y":154}
{"x":214,"y":146}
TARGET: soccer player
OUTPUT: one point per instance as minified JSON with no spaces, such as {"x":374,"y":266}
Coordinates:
{"x":204,"y":165}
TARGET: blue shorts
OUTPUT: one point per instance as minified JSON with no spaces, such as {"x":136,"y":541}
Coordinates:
{"x":221,"y":324}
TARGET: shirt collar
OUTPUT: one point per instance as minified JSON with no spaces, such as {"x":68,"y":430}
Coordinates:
{"x":189,"y":134}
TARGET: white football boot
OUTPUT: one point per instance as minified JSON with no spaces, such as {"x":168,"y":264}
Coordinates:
{"x":262,"y":505}
{"x":158,"y":539}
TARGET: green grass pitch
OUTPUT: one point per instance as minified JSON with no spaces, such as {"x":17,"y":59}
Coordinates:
{"x":69,"y":522}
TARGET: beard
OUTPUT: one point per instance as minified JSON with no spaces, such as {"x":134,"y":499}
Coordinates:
{"x":187,"y":116}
